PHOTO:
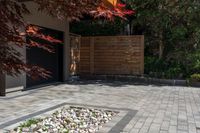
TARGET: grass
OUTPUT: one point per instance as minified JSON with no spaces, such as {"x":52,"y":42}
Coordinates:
{"x":28,"y":124}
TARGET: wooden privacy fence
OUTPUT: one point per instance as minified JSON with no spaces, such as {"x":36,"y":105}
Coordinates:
{"x":75,"y":42}
{"x":112,"y":55}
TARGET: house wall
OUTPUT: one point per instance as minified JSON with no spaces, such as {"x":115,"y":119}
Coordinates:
{"x":44,"y":20}
{"x":19,"y":81}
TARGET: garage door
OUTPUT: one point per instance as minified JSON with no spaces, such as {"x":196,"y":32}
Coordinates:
{"x":52,"y":62}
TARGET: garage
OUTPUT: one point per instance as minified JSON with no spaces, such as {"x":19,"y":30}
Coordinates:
{"x":52,"y":62}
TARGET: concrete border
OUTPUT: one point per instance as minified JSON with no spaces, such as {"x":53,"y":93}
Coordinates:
{"x":137,"y":79}
{"x":12,"y":122}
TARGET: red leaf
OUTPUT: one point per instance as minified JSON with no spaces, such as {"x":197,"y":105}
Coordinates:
{"x":121,"y":5}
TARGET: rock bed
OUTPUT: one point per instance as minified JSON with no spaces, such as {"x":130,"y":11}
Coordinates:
{"x":68,"y":120}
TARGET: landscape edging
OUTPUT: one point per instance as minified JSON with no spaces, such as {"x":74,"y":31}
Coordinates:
{"x":146,"y":80}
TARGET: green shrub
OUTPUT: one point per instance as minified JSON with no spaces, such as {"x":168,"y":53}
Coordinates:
{"x":160,"y":68}
{"x":195,"y":77}
{"x":97,"y":27}
{"x":30,"y":122}
{"x":174,"y":72}
{"x":194,"y":62}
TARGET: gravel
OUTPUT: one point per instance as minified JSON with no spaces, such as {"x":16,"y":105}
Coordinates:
{"x":68,"y":120}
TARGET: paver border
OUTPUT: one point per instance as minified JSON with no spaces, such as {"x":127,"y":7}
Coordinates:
{"x":116,"y":125}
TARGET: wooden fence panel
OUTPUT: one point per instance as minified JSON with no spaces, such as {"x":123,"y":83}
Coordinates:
{"x":112,"y":55}
{"x":75,"y":42}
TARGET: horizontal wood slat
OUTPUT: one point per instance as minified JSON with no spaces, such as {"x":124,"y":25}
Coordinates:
{"x":112,"y":55}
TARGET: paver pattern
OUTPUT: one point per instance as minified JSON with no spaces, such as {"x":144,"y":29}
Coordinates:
{"x":161,"y":109}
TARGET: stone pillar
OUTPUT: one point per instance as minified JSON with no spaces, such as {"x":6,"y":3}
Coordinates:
{"x":2,"y":85}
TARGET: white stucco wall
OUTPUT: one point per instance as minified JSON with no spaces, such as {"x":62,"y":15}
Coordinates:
{"x":44,"y":20}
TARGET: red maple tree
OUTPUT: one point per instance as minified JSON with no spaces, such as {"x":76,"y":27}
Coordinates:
{"x":14,"y":29}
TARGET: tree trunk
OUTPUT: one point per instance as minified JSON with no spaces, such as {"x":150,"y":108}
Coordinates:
{"x":161,"y":45}
{"x":128,"y":29}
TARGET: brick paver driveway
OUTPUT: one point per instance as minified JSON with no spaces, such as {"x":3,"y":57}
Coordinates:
{"x":161,"y":109}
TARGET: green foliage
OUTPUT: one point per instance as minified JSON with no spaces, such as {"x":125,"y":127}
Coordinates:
{"x":193,"y":62}
{"x":160,"y":68}
{"x":174,"y":72}
{"x":179,"y":33}
{"x":179,"y":65}
{"x":97,"y":27}
{"x":29,"y":123}
{"x":175,"y":23}
{"x":195,"y":77}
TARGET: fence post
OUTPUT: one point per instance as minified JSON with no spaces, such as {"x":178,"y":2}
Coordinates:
{"x":91,"y":55}
{"x":142,"y":54}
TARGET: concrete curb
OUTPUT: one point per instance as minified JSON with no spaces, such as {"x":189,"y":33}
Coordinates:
{"x":143,"y":80}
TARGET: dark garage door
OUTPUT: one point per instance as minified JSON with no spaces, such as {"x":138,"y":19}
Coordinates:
{"x":52,"y":62}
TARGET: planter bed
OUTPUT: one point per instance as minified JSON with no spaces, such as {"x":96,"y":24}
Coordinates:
{"x":68,"y":120}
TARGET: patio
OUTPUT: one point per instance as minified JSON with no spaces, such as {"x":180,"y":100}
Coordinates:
{"x":159,"y":109}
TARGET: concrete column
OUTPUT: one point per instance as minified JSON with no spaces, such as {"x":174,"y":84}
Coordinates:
{"x":2,"y":85}
{"x":66,"y":53}
{"x":20,"y":80}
